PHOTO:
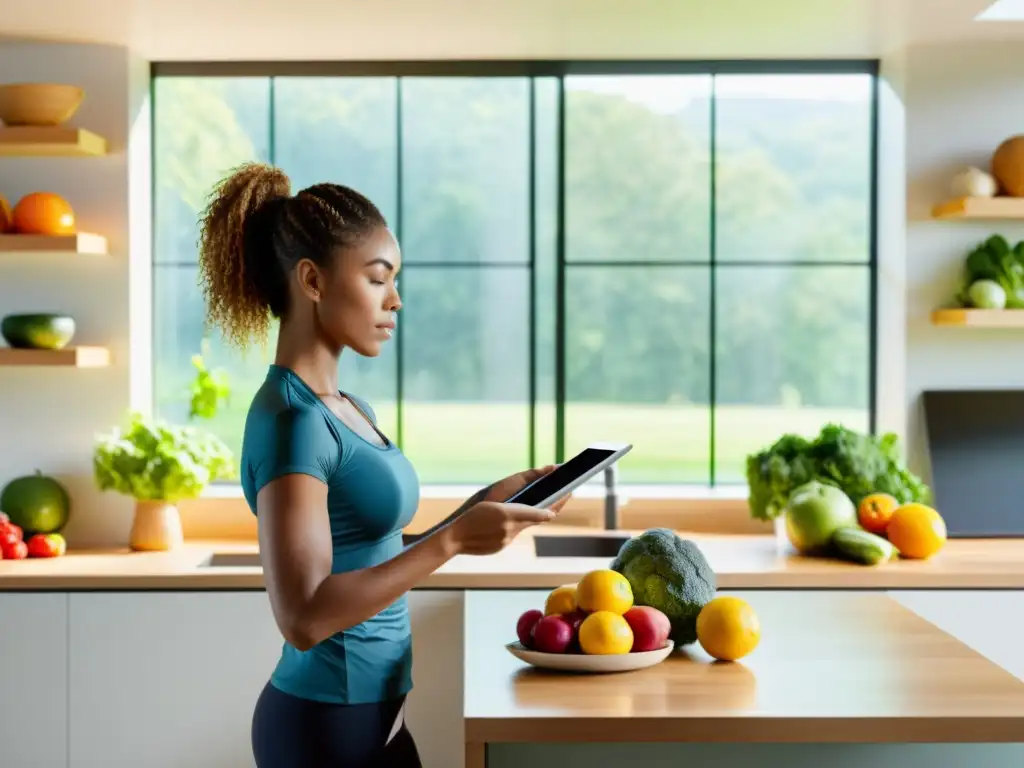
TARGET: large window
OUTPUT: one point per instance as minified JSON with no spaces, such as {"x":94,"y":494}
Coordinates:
{"x":684,"y":260}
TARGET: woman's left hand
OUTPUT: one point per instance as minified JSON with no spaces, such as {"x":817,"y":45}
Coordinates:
{"x":503,"y":489}
{"x":499,"y":492}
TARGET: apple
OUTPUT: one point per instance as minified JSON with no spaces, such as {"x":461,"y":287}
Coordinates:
{"x":650,"y":627}
{"x":552,"y":634}
{"x":47,"y":545}
{"x":575,"y":618}
{"x":525,"y":625}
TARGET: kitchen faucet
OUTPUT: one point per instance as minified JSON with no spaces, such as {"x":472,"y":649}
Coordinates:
{"x":611,"y":499}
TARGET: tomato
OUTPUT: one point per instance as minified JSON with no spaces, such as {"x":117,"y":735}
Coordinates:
{"x":875,"y":511}
{"x":16,"y":551}
{"x":9,"y":534}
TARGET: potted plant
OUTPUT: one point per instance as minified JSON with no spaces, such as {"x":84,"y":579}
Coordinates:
{"x":158,"y":464}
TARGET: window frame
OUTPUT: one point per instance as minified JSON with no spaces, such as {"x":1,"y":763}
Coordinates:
{"x":560,"y":69}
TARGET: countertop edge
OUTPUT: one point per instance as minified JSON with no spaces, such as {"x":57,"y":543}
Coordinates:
{"x":252,"y":580}
{"x":748,"y":729}
{"x":740,"y":562}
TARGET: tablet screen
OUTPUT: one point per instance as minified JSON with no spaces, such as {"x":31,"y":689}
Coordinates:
{"x":551,"y":483}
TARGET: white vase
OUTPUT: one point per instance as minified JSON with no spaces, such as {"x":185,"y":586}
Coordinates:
{"x":156,"y":527}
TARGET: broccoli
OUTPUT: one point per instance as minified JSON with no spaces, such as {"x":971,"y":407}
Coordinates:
{"x":668,"y":573}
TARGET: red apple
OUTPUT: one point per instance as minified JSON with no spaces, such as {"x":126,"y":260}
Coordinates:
{"x":650,"y":627}
{"x":552,"y":634}
{"x":575,"y":618}
{"x":46,"y":545}
{"x":525,"y":625}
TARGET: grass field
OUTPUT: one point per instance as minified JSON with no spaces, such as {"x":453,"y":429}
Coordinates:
{"x":478,"y":442}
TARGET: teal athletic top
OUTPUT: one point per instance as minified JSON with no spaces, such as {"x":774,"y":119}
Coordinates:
{"x":373,"y":492}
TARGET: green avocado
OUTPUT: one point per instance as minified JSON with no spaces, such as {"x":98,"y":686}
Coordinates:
{"x":42,"y":330}
{"x":36,"y":503}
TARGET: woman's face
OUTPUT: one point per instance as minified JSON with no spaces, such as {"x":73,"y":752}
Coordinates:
{"x":359,"y":301}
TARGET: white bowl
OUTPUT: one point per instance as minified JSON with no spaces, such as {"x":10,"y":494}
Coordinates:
{"x":584,"y":662}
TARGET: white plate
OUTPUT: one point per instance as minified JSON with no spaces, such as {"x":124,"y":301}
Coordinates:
{"x":583,"y":662}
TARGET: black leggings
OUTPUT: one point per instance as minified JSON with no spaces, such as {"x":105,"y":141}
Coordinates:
{"x":289,"y":732}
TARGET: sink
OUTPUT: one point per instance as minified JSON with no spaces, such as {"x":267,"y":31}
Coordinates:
{"x":587,"y":545}
{"x":579,"y":546}
{"x":233,"y":560}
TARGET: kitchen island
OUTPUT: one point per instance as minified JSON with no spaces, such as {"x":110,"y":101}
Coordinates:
{"x":832,"y":669}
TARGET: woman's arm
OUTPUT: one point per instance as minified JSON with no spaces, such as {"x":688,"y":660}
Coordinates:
{"x":499,"y":491}
{"x":310,"y":603}
{"x":476,"y":498}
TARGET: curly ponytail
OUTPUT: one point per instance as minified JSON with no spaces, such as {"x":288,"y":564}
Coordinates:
{"x":237,"y":264}
{"x":253,"y":232}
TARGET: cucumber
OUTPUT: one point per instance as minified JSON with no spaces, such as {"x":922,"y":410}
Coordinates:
{"x":862,"y":546}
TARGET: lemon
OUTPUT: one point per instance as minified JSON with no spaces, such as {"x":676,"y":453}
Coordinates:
{"x":605,"y":633}
{"x":728,"y":628}
{"x":604,"y":590}
{"x":917,"y":531}
{"x":561,"y":600}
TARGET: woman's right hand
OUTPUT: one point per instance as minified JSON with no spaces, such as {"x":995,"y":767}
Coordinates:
{"x":490,"y":526}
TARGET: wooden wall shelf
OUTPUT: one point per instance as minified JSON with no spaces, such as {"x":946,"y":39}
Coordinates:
{"x":71,"y":357}
{"x":980,"y":208}
{"x":979,"y":318}
{"x":58,"y":141}
{"x":83,"y":242}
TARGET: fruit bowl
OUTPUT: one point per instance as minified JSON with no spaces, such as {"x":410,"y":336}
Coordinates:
{"x":583,"y":662}
{"x":48,"y":104}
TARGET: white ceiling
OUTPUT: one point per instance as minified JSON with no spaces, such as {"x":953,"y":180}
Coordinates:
{"x":183,"y":30}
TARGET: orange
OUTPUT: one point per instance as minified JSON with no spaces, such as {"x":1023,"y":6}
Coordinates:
{"x":917,"y":531}
{"x":561,"y":600}
{"x":43,"y":213}
{"x":875,"y":511}
{"x":604,"y":590}
{"x":728,"y":628}
{"x":605,"y":633}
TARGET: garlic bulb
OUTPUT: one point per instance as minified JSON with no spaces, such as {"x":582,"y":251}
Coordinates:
{"x":973,"y":182}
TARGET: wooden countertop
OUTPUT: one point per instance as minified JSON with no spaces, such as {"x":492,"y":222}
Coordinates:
{"x":835,"y":667}
{"x":740,"y":562}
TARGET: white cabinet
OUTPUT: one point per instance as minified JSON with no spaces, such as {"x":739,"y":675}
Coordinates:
{"x":989,"y":621}
{"x":165,"y":680}
{"x":434,"y":711}
{"x":33,"y":680}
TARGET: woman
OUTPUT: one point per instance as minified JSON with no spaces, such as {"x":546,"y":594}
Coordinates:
{"x":330,"y":491}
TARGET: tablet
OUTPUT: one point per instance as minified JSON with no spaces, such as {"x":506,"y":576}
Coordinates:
{"x":571,"y":475}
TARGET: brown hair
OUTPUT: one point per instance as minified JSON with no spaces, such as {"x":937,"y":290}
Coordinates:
{"x":252,"y":234}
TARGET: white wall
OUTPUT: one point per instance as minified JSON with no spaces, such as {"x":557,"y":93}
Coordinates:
{"x":49,"y":416}
{"x":891,"y":375}
{"x":961,"y":101}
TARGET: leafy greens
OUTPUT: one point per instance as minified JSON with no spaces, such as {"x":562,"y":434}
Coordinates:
{"x":858,"y":464}
{"x":153,"y":460}
{"x":995,"y":259}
